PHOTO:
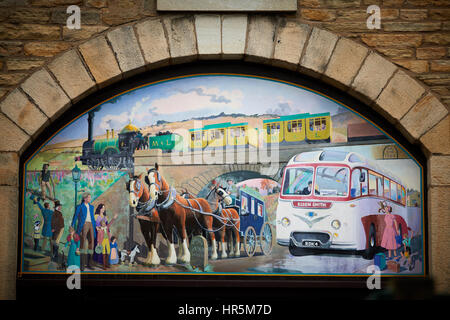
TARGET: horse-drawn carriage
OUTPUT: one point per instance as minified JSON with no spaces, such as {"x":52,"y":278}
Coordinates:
{"x":254,"y":226}
{"x":161,"y":209}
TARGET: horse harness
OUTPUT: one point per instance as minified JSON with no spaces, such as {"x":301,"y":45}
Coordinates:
{"x":171,"y":199}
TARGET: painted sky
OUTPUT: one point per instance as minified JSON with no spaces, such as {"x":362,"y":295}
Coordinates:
{"x":186,"y":98}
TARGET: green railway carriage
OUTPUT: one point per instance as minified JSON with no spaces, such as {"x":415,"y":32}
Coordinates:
{"x":166,"y":142}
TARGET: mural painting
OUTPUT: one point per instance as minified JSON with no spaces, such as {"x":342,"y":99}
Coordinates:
{"x":222,"y":174}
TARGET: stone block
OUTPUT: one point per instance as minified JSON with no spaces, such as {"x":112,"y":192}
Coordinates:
{"x":234,"y":34}
{"x":417,"y":66}
{"x":23,"y":112}
{"x":101,"y":61}
{"x":318,"y":52}
{"x":181,"y":38}
{"x":9,"y":168}
{"x":153,"y":42}
{"x":437,"y":140}
{"x":422,"y":117}
{"x":440,"y":65}
{"x":46,"y":93}
{"x":10,"y":79}
{"x":13,"y":138}
{"x":341,"y":70}
{"x":84,"y":33}
{"x":438,"y":170}
{"x":438,"y":237}
{"x":372,"y":77}
{"x":318,"y":14}
{"x":8,"y":241}
{"x":403,"y":26}
{"x":392,"y":39}
{"x":23,"y":64}
{"x":400,"y":94}
{"x":290,"y":41}
{"x":229,"y":5}
{"x":72,"y":75}
{"x":45,"y":49}
{"x":437,"y":38}
{"x":431,"y":52}
{"x":207,"y":28}
{"x":11,"y":31}
{"x":261,"y":38}
{"x":126,"y":49}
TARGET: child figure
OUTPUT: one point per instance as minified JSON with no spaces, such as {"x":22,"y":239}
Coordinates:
{"x":406,"y":250}
{"x":103,"y":237}
{"x":73,"y":258}
{"x":37,"y":234}
{"x":114,"y":256}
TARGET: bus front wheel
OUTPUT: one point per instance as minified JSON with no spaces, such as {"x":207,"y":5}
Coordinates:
{"x":371,"y":244}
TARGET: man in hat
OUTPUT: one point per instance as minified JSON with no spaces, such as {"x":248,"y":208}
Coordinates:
{"x":57,"y":229}
{"x":44,"y":180}
{"x":47,"y":215}
{"x":83,"y":223}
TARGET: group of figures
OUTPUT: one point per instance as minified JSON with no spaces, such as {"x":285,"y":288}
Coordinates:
{"x":161,"y":209}
{"x":88,"y":229}
{"x":397,"y":245}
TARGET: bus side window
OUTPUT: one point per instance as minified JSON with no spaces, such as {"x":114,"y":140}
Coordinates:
{"x":393,"y":191}
{"x":380,"y":186}
{"x":355,"y":191}
{"x":364,"y":189}
{"x":403,"y":196}
{"x":386,"y":188}
{"x":372,"y":185}
{"x":399,"y":193}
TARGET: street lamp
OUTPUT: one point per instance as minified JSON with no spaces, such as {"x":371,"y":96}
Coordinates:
{"x":76,"y":174}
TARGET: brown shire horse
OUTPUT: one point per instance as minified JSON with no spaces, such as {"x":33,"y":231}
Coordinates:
{"x":147,"y":215}
{"x":175,"y":211}
{"x":229,"y":221}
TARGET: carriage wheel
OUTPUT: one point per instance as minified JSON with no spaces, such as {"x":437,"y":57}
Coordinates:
{"x":266,"y":239}
{"x":250,"y":241}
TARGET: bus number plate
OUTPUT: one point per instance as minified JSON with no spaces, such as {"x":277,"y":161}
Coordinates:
{"x":308,"y":243}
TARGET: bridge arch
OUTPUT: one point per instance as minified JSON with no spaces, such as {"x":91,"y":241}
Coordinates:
{"x":29,"y":112}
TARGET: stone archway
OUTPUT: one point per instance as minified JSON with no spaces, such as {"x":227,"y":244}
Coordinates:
{"x":147,"y":44}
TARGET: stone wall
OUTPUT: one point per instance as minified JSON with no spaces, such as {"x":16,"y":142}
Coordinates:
{"x":400,"y":71}
{"x":415,"y":34}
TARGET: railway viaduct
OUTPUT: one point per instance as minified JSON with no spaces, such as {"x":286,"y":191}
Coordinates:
{"x":195,"y":170}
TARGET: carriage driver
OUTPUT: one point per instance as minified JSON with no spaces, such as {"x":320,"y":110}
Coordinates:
{"x":82,"y":222}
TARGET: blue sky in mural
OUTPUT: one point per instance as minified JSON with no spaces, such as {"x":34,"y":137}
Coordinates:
{"x":188,"y":98}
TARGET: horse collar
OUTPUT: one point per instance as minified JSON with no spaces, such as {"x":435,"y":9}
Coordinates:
{"x":169,"y":200}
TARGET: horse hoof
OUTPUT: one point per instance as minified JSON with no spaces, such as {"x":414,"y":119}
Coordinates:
{"x":214,"y":257}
